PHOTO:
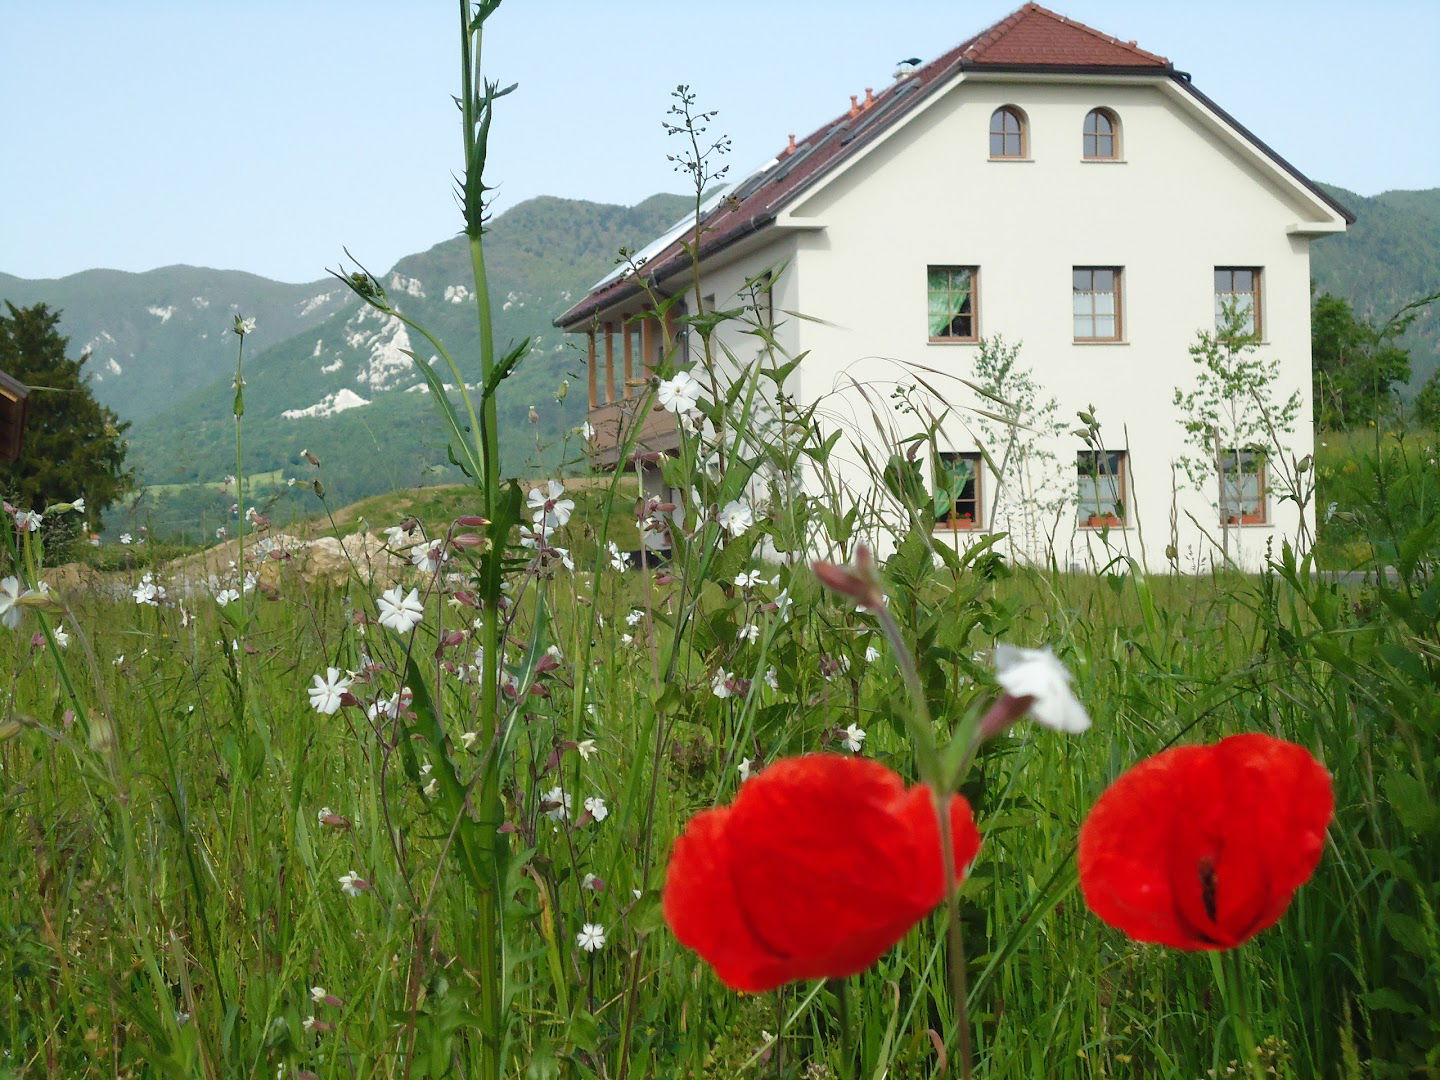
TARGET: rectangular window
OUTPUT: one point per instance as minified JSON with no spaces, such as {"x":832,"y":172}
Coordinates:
{"x":1101,"y":476}
{"x":1238,"y":288}
{"x":952,"y":307}
{"x":1097,"y":303}
{"x":1242,"y":488}
{"x":957,"y":490}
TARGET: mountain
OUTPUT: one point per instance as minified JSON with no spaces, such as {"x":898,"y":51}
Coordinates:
{"x":1390,"y":256}
{"x":155,"y":336}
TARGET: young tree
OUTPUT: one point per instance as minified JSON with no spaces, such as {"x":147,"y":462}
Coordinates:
{"x":1232,"y":420}
{"x":1427,"y":403}
{"x":73,"y":444}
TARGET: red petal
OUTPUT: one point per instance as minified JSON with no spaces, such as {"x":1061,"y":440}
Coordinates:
{"x":1202,"y":847}
{"x":820,"y":866}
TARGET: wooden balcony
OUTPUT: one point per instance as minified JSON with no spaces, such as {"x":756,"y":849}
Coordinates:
{"x":617,"y":378}
{"x":616,"y":421}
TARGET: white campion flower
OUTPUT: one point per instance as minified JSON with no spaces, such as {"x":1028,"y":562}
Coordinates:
{"x":748,"y":579}
{"x":551,"y":508}
{"x":352,"y":884}
{"x":634,"y":618}
{"x":1037,"y":674}
{"x":400,"y":612}
{"x":586,"y":749}
{"x":854,"y":738}
{"x":429,"y":557}
{"x":147,"y":592}
{"x":746,"y":769}
{"x":680,"y":394}
{"x":224,"y":596}
{"x":749,"y":632}
{"x":587,"y":431}
{"x":27,"y":520}
{"x":395,"y":536}
{"x":61,"y":637}
{"x":591,"y":937}
{"x":871,"y":654}
{"x":10,"y":594}
{"x":125,"y":538}
{"x":323,"y":813}
{"x":560,"y":800}
{"x":78,"y":505}
{"x":735,"y":517}
{"x":596,"y":805}
{"x":772,"y":679}
{"x":326,"y":689}
{"x":618,"y":562}
{"x":720,"y":684}
{"x":468,"y":738}
{"x":244,"y":326}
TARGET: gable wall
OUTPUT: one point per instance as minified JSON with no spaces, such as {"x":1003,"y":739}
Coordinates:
{"x":1180,"y":204}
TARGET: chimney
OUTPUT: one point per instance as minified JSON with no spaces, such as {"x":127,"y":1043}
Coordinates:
{"x":854,"y":105}
{"x":789,"y":149}
{"x":869,"y":96}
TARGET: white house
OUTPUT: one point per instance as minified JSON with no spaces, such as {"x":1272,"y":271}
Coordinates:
{"x":1060,"y":188}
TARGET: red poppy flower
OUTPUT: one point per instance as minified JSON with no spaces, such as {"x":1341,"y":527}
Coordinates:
{"x":819,"y":866}
{"x":1201,"y":847}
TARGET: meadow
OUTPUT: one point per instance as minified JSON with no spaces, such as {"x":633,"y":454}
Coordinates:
{"x":417,"y":823}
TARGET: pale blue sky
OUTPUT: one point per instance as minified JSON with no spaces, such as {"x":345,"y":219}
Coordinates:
{"x":263,"y":135}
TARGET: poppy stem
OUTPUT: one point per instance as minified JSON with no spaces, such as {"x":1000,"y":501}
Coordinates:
{"x":847,"y":1034}
{"x":1226,"y":966}
{"x":927,"y":759}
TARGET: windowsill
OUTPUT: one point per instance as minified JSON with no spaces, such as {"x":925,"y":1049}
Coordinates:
{"x":1101,"y":341}
{"x":1101,"y":528}
{"x":1024,"y":160}
{"x":1102,"y":161}
{"x":953,"y":341}
{"x":1247,"y":525}
{"x":946,"y":527}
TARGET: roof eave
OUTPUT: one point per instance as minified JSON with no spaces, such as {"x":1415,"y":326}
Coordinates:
{"x":592,"y":305}
{"x":980,"y":67}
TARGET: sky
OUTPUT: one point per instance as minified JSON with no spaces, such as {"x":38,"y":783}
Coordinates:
{"x":268,"y":135}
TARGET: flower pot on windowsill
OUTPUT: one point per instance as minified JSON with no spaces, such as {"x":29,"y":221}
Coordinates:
{"x":1255,"y":517}
{"x":1101,"y":521}
{"x":962,"y":523}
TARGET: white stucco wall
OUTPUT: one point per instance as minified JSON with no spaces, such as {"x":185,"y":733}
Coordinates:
{"x":1182,"y":201}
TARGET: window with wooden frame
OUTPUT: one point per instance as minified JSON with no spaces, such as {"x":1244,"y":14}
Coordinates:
{"x":1009,"y":133}
{"x":1103,"y":487}
{"x":1097,"y":303}
{"x":952,"y":305}
{"x":957,"y":490}
{"x":1237,"y":289}
{"x":1243,"y":495}
{"x":1102,"y":136}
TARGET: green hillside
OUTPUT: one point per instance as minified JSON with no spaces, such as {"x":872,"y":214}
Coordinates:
{"x":1390,"y":256}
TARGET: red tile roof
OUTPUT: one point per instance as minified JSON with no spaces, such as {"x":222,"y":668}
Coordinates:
{"x":1037,"y":37}
{"x":1032,"y":38}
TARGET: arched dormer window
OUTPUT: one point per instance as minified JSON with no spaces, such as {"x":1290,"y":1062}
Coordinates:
{"x":1102,"y":135}
{"x":1009,"y":135}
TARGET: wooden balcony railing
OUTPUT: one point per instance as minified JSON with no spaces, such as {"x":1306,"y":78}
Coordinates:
{"x":617,"y":388}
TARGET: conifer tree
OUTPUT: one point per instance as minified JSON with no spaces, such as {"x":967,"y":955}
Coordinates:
{"x":74,"y":446}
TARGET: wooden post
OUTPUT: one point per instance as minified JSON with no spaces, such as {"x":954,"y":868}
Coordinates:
{"x":590,"y":356}
{"x":629,"y":358}
{"x":609,"y":362}
{"x":646,"y":351}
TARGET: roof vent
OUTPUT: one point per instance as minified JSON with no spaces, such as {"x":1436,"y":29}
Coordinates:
{"x":905,"y":68}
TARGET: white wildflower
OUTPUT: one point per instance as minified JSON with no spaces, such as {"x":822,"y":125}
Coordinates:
{"x":27,"y":520}
{"x":400,"y":612}
{"x":326,"y":690}
{"x":735,"y":517}
{"x":871,"y":654}
{"x":618,"y":562}
{"x":854,"y":738}
{"x":591,"y":937}
{"x":749,"y":632}
{"x":429,"y":557}
{"x":720,"y":684}
{"x":1038,"y":675}
{"x":10,"y":594}
{"x":559,"y":803}
{"x":586,"y":748}
{"x":352,"y":884}
{"x":596,"y":805}
{"x":125,"y":538}
{"x":224,"y":596}
{"x":746,"y":768}
{"x":680,"y":394}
